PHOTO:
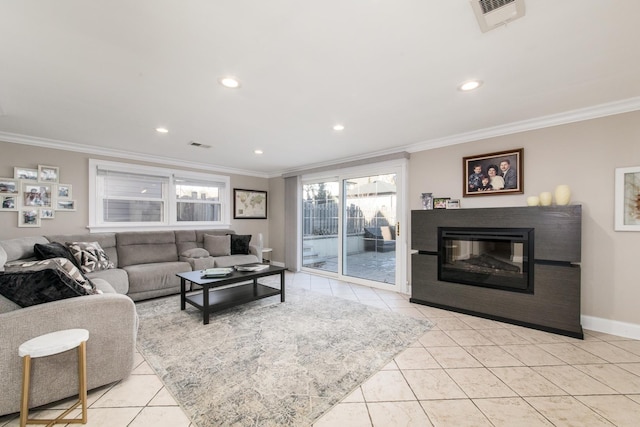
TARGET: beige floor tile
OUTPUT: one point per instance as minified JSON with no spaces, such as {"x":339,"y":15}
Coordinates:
{"x":493,"y":355}
{"x":503,"y":336}
{"x":435,"y":338}
{"x":434,"y":312}
{"x":136,"y":390}
{"x":41,"y":414}
{"x":532,"y":355}
{"x":481,"y":323}
{"x":143,"y":369}
{"x":634,"y":368}
{"x":453,"y":357}
{"x":345,"y":414}
{"x":454,"y":413}
{"x":405,"y":414}
{"x":571,"y":354}
{"x":632,"y":346}
{"x":605,"y":337}
{"x":613,"y":376}
{"x":399,"y":303}
{"x":138,"y":358}
{"x":163,"y":398}
{"x":566,"y":411}
{"x":431,"y":384}
{"x":161,"y":416}
{"x":376,"y":303}
{"x":468,"y":337}
{"x":387,"y":386}
{"x":391,"y":366}
{"x":416,"y":358}
{"x":450,"y":323}
{"x":634,"y":397}
{"x":540,"y":337}
{"x":409,"y":311}
{"x":356,"y":396}
{"x":480,"y":382}
{"x":619,"y":410}
{"x":608,"y":352}
{"x":573,"y":381}
{"x":511,"y":412}
{"x":527,"y":382}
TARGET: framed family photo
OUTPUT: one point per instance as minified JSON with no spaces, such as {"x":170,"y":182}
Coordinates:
{"x":249,"y":204}
{"x":64,"y":191}
{"x":627,"y":199}
{"x":48,"y":174}
{"x":493,"y":173}
{"x":9,"y":186}
{"x":8,"y":202}
{"x":66,"y":205}
{"x":28,"y":217}
{"x":25,"y":174}
{"x":35,"y":194}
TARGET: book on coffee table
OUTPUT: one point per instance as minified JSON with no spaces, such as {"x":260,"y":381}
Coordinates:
{"x":212,"y":273}
{"x":258,"y":267}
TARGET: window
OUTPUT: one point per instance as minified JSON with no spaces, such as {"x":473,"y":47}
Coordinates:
{"x":145,"y":197}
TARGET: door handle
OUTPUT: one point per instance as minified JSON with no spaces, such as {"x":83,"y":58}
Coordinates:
{"x":397,"y":229}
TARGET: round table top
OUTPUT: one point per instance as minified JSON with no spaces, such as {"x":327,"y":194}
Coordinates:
{"x":53,"y":343}
{"x":267,"y":249}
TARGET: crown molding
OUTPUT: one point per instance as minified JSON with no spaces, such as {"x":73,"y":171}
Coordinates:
{"x":120,"y":154}
{"x":582,"y":114}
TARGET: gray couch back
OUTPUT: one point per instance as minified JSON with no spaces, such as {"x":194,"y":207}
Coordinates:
{"x":189,"y":239}
{"x":145,"y":247}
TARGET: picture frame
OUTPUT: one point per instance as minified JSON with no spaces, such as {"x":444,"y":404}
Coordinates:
{"x":453,"y":204}
{"x":65,"y":205}
{"x":46,"y":213}
{"x":627,"y":199}
{"x":9,"y":186}
{"x":36,"y":194}
{"x":48,"y":174}
{"x":25,"y":174}
{"x":9,"y":202}
{"x":65,"y":191}
{"x":440,"y":202}
{"x":479,"y":180}
{"x":29,"y":217}
{"x":249,"y":204}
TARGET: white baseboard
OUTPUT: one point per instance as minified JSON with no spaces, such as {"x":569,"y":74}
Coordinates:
{"x":277,"y":264}
{"x":613,"y":327}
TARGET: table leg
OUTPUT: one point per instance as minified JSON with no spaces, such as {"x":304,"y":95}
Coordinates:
{"x":183,"y":293}
{"x":282,"y":286}
{"x":205,"y":304}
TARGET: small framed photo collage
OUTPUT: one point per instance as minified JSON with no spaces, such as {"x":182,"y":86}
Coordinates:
{"x":36,"y":194}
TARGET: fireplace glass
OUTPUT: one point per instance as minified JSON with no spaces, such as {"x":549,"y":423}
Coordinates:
{"x":499,"y":258}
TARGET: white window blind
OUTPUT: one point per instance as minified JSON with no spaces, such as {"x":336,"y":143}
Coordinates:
{"x":128,"y":197}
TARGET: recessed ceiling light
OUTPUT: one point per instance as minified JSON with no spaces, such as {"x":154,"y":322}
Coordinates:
{"x":162,"y":130}
{"x":258,"y":151}
{"x":338,"y":127}
{"x":470,"y":85}
{"x":230,"y":82}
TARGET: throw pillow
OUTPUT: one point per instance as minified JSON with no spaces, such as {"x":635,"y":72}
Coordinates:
{"x":240,"y":244}
{"x":64,"y":265}
{"x":90,"y":256}
{"x":195,"y":253}
{"x":27,"y":288}
{"x":217,"y":245}
{"x":53,"y":250}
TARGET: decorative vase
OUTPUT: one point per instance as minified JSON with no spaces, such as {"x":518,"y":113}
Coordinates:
{"x":533,"y":200}
{"x":427,"y":201}
{"x":545,"y":199}
{"x":563,"y":195}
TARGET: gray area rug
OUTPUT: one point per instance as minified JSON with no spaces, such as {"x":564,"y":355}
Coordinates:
{"x":268,"y":363}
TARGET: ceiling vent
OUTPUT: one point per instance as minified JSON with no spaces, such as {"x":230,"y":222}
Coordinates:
{"x":197,"y":144}
{"x":494,"y":13}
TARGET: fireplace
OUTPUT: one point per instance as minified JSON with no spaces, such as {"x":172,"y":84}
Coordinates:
{"x":490,"y":257}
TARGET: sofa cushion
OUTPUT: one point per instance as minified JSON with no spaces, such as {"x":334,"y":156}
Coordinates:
{"x":145,"y":247}
{"x":195,"y":253}
{"x":217,"y":245}
{"x":90,"y":256}
{"x":240,"y":244}
{"x":154,"y":278}
{"x":116,"y":277}
{"x":14,"y":249}
{"x":106,"y":240}
{"x":231,"y":260}
{"x":39,"y":286}
{"x":54,"y":250}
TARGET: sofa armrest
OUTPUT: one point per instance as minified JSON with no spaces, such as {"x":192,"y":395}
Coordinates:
{"x":112,"y":322}
{"x":257,"y":251}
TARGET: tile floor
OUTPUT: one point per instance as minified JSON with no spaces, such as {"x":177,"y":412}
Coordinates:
{"x":466,"y":371}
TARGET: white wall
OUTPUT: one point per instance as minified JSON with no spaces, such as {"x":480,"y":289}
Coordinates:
{"x":583,"y":155}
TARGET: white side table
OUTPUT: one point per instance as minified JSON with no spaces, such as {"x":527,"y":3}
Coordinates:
{"x":266,"y":251}
{"x":48,"y":345}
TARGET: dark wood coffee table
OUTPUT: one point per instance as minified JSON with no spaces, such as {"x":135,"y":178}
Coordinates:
{"x":211,"y":299}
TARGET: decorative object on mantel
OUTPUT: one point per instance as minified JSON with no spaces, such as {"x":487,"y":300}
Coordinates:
{"x":533,"y":201}
{"x":494,"y":173}
{"x":627,"y":199}
{"x":35,"y":194}
{"x":562,"y":195}
{"x":545,"y":198}
{"x":427,"y":201}
{"x":453,"y":204}
{"x":440,"y":202}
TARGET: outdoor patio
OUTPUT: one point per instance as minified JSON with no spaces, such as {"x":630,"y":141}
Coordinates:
{"x":370,"y":265}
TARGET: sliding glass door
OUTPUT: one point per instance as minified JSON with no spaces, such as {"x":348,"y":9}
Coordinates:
{"x":350,"y":226}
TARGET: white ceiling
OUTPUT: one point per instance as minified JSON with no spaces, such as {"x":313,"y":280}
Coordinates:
{"x":103,"y":74}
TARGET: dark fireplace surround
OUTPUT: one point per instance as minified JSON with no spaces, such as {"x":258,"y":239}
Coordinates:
{"x":519,"y":265}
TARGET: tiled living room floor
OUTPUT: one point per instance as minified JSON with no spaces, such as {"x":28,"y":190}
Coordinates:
{"x":466,"y":371}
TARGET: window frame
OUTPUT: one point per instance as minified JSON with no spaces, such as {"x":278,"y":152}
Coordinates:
{"x":169,"y":221}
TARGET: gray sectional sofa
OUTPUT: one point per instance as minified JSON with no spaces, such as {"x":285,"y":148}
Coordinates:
{"x":145,"y":266}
